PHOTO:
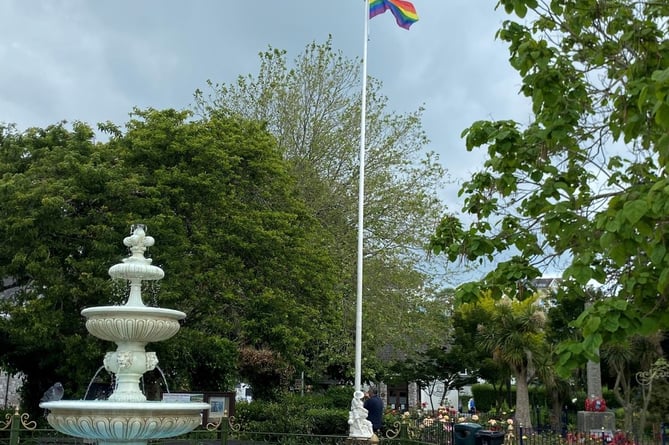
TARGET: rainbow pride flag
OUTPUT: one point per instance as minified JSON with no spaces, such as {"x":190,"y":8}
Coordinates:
{"x":404,"y":12}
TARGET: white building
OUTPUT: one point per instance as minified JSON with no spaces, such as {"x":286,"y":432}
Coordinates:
{"x":9,"y":389}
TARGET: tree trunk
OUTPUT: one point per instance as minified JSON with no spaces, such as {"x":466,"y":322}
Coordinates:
{"x":556,"y":411}
{"x":623,"y":394}
{"x":522,"y":398}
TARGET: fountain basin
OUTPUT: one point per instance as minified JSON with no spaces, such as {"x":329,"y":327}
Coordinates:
{"x":123,"y":422}
{"x":142,"y":324}
{"x":133,"y":268}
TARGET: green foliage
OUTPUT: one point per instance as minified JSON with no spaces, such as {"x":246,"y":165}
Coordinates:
{"x":659,"y":404}
{"x":486,"y":397}
{"x":241,"y":252}
{"x":491,"y":399}
{"x":312,"y":107}
{"x":274,"y":417}
{"x":328,"y":421}
{"x":512,"y":333}
{"x":432,"y":369}
{"x":337,"y":397}
{"x":210,"y":366}
{"x":608,"y":395}
{"x":465,"y":349}
{"x":52,"y":217}
{"x":293,"y":414}
{"x":584,"y":181}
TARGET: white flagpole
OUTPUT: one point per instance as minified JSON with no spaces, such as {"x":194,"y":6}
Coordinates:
{"x":361,"y":206}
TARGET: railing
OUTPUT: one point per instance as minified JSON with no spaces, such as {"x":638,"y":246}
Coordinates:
{"x":17,"y":429}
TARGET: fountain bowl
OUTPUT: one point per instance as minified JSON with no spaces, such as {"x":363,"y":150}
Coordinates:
{"x":123,"y":422}
{"x":141,"y":324}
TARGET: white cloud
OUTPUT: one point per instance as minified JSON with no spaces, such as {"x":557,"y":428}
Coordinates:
{"x":93,"y":61}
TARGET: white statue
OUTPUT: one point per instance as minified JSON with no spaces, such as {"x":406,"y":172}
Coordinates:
{"x":359,"y":426}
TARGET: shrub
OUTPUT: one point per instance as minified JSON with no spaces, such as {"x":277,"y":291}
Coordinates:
{"x":339,"y":397}
{"x":328,"y":421}
{"x":293,"y":414}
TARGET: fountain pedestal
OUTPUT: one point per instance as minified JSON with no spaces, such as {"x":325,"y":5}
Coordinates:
{"x":129,"y":364}
{"x":127,"y":418}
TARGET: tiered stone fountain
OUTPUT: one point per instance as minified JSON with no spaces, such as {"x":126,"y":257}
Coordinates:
{"x":127,"y":418}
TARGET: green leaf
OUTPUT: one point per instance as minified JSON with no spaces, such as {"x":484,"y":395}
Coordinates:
{"x":662,"y":115}
{"x":618,"y":304}
{"x":592,"y":324}
{"x":633,"y":211}
{"x":521,"y":9}
{"x":642,"y":98}
{"x":662,"y":147}
{"x":591,"y":344}
{"x":661,"y":76}
{"x":612,"y":225}
{"x":657,"y":253}
{"x":663,"y":281}
{"x":610,"y":323}
{"x":580,"y":272}
{"x":619,"y":253}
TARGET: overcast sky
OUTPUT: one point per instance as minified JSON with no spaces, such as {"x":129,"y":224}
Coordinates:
{"x":94,"y":61}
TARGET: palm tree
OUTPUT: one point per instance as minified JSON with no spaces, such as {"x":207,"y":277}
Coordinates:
{"x":625,"y":358}
{"x":515,"y":337}
{"x":558,"y":389}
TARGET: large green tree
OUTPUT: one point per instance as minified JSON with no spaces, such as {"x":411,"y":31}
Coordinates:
{"x":625,"y":359}
{"x":436,"y":373}
{"x":312,"y":106}
{"x":466,"y":350}
{"x":243,"y":256}
{"x":585,"y":180}
{"x":561,"y":389}
{"x":514,"y":334}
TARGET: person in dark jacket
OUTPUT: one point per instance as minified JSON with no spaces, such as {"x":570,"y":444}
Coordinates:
{"x":374,"y":407}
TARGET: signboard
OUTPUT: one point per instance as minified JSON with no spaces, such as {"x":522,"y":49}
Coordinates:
{"x":222,"y":404}
{"x":183,"y":397}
